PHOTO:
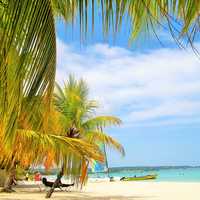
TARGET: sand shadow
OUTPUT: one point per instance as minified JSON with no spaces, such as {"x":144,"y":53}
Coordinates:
{"x":91,"y":197}
{"x":72,"y":195}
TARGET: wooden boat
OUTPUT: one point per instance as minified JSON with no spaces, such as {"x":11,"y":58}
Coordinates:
{"x":138,"y":178}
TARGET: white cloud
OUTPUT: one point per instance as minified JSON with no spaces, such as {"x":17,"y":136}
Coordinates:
{"x":142,"y":88}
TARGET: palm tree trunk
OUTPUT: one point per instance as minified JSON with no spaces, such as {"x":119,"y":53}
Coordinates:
{"x":10,"y":181}
{"x":56,"y":183}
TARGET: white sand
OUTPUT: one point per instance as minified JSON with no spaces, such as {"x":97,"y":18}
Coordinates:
{"x":117,"y":191}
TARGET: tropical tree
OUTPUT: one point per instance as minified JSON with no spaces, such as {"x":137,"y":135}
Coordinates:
{"x":78,"y":119}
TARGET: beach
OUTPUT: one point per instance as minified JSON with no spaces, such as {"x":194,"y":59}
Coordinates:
{"x":116,"y":191}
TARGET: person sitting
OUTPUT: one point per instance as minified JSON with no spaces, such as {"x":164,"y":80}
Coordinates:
{"x":37,"y":179}
{"x":27,"y":176}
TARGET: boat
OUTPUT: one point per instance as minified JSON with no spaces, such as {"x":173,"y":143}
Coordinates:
{"x":138,"y":178}
{"x":97,"y":167}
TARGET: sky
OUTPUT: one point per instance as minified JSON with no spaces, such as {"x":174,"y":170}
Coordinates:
{"x":153,"y":88}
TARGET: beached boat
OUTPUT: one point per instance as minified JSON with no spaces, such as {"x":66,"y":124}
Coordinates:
{"x":138,"y":178}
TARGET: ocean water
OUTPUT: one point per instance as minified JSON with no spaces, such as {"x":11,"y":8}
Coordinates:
{"x":176,"y":174}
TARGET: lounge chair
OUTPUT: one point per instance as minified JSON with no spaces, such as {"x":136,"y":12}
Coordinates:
{"x":60,"y":185}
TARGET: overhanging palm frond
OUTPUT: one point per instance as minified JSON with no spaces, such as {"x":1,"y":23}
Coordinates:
{"x":181,"y":18}
{"x":28,"y":30}
{"x":66,"y":9}
{"x":32,"y":147}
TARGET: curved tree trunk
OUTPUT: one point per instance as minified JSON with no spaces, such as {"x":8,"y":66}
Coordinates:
{"x":56,"y":183}
{"x":10,"y":181}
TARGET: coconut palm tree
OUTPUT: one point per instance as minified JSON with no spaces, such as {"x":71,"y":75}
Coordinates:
{"x":79,"y":121}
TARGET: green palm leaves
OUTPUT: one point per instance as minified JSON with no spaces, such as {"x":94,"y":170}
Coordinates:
{"x":27,"y":58}
{"x":181,"y":18}
{"x":32,"y":148}
{"x":78,"y":112}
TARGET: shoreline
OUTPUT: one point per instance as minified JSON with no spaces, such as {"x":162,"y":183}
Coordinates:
{"x":116,"y":191}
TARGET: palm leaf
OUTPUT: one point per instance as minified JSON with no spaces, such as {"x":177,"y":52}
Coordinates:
{"x":32,"y":147}
{"x":101,"y":121}
{"x":181,"y":18}
{"x":28,"y":30}
{"x":100,"y":137}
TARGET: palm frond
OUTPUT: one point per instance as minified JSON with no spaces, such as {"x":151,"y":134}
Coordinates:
{"x":181,"y":18}
{"x":32,"y":147}
{"x":66,"y":9}
{"x":28,"y":31}
{"x":101,"y":137}
{"x":101,"y":121}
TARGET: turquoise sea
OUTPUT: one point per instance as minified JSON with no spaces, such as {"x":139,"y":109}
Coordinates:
{"x":180,"y":174}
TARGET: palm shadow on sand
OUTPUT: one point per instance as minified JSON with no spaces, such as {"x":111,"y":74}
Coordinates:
{"x":90,"y":197}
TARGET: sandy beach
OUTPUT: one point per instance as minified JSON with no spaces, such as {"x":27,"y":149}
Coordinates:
{"x":116,"y":191}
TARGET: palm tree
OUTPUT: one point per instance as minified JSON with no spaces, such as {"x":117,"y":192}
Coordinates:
{"x":79,"y":121}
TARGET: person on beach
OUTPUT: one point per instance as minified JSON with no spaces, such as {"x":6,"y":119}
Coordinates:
{"x":27,"y":176}
{"x":37,"y":179}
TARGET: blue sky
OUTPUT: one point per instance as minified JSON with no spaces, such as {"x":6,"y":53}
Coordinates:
{"x":153,"y":88}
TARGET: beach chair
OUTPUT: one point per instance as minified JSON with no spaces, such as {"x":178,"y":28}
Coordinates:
{"x":60,"y":185}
